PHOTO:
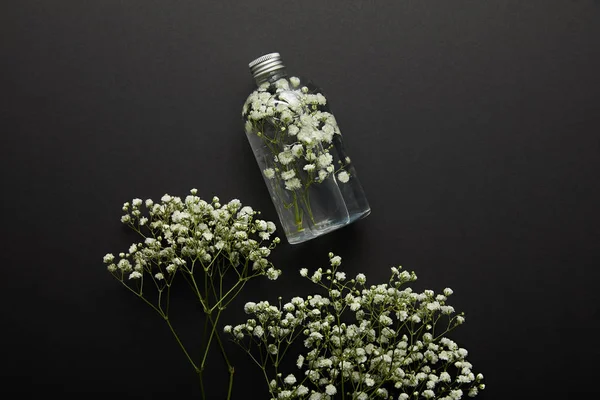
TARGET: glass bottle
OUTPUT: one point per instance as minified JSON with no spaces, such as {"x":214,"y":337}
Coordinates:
{"x":299,"y":149}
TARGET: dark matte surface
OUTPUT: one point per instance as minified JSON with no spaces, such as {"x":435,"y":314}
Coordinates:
{"x":474,"y":126}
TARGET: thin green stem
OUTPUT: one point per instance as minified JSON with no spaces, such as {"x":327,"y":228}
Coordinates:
{"x":297,"y":214}
{"x":168,"y":298}
{"x":201,"y":384}
{"x":220,"y":342}
{"x":242,"y":282}
{"x":143,"y":298}
{"x":231,"y":372}
{"x":212,"y":334}
{"x":166,"y":318}
{"x":262,"y":367}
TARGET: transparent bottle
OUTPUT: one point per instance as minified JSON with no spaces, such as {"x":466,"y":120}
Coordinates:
{"x":299,"y":149}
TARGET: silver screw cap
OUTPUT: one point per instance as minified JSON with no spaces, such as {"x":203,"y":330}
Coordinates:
{"x":265,"y":64}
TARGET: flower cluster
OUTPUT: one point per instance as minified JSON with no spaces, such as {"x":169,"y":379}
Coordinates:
{"x":202,"y":242}
{"x":190,"y":233}
{"x":298,"y":129}
{"x":361,"y":342}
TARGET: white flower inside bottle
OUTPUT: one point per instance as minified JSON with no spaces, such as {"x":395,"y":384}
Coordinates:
{"x":298,"y":146}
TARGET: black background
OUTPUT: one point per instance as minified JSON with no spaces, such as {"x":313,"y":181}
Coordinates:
{"x":474,"y":127}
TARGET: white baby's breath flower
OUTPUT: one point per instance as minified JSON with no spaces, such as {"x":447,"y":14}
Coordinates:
{"x":309,"y":167}
{"x":308,"y":121}
{"x":286,"y":175}
{"x":336,"y":261}
{"x":327,"y":131}
{"x":316,"y":276}
{"x":307,"y":137}
{"x":297,"y":150}
{"x":286,"y":117}
{"x":124,"y":265}
{"x":301,"y":390}
{"x":249,"y":307}
{"x":361,"y":278}
{"x":343,"y":177}
{"x":445,"y":377}
{"x":322,"y":175}
{"x":330,"y":390}
{"x":293,"y":184}
{"x":285,"y":157}
{"x":303,"y":272}
{"x":262,"y":235}
{"x":340,"y":276}
{"x":135,"y":275}
{"x":273,"y":273}
{"x":258,"y":331}
{"x":269,"y":173}
{"x":295,"y":81}
{"x":261,"y":225}
{"x":447,"y":309}
{"x":171,"y":268}
{"x":290,"y":379}
{"x":282,"y":84}
{"x":272,"y":349}
{"x":324,"y":160}
{"x":300,"y":361}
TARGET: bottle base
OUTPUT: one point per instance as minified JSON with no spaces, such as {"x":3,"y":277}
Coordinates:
{"x":326,"y":227}
{"x":359,"y":215}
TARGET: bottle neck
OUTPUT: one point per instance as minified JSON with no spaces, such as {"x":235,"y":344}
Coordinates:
{"x":271,"y":76}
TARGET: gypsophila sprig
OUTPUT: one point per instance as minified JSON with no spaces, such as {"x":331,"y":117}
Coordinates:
{"x":216,"y":248}
{"x":361,"y":342}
